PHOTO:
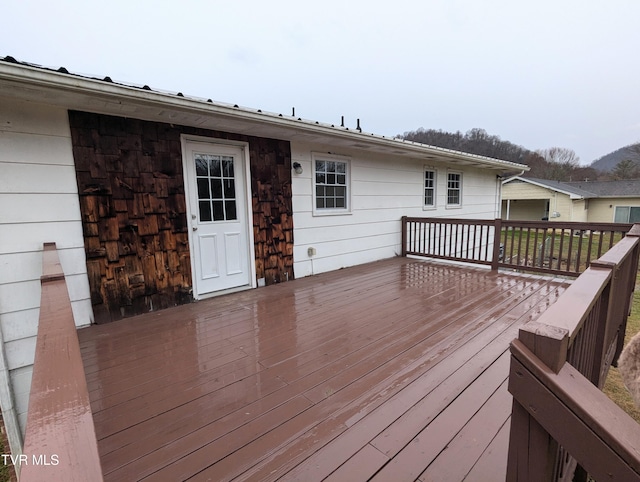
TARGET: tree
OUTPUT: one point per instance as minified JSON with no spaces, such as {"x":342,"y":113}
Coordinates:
{"x":626,"y":169}
{"x":561,"y":163}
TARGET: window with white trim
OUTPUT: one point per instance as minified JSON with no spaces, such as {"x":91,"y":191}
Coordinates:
{"x":430,"y":180}
{"x":454,"y":189}
{"x":331,"y":184}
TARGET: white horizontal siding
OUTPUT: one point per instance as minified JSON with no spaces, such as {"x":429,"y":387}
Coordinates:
{"x":21,"y":383}
{"x":19,"y":238}
{"x":38,"y":203}
{"x":37,"y":178}
{"x":383,"y":189}
{"x":19,"y":324}
{"x":39,"y":208}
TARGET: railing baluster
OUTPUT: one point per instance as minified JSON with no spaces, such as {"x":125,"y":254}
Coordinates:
{"x":535,"y":249}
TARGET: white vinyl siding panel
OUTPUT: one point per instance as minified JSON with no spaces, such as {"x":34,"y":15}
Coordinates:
{"x":383,"y":189}
{"x":38,"y":203}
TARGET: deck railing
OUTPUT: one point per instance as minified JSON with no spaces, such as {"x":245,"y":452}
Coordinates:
{"x":560,"y":419}
{"x":60,"y":440}
{"x":538,"y":246}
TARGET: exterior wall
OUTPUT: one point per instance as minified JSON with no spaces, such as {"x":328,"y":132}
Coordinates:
{"x":38,"y":204}
{"x":563,"y":205}
{"x":131,"y":186}
{"x":524,"y":207}
{"x":523,"y":190}
{"x":600,"y":212}
{"x":383,"y":189}
{"x":579,"y":211}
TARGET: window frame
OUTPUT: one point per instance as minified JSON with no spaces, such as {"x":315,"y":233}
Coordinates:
{"x":331,"y":211}
{"x":629,"y":208}
{"x":458,"y":189}
{"x":434,"y":188}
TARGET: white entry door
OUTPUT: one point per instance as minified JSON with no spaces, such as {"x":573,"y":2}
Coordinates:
{"x":216,"y":192}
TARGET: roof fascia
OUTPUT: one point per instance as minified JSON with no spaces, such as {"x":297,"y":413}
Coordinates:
{"x":546,"y":186}
{"x":115,"y":92}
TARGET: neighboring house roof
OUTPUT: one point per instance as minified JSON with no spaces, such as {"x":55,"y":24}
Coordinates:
{"x":73,"y":91}
{"x":623,"y":188}
{"x":574,"y":192}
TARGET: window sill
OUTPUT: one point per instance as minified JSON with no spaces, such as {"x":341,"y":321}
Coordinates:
{"x":331,"y":212}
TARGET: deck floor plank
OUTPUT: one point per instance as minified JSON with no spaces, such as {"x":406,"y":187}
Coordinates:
{"x":357,"y":372}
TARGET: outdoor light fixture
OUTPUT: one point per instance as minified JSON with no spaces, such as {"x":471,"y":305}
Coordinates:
{"x":297,"y":167}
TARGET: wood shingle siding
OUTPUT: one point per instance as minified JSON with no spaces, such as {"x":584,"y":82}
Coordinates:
{"x":132,"y":198}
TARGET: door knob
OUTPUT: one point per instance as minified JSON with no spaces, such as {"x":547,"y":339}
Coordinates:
{"x":195,"y":228}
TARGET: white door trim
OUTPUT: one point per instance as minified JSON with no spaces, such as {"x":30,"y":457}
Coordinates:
{"x":244,"y":146}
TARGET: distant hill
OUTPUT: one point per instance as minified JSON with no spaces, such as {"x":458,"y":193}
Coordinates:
{"x":608,"y":162}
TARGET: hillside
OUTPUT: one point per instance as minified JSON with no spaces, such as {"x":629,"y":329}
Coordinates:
{"x":608,"y":162}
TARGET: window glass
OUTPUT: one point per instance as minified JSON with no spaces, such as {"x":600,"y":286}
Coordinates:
{"x":621,"y":214}
{"x":454,"y":188}
{"x":331,"y":184}
{"x":216,"y":187}
{"x":429,"y":188}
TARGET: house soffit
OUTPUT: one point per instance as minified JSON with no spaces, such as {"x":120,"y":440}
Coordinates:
{"x":92,"y":95}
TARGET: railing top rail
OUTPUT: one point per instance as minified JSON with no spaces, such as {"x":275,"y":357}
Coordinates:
{"x":606,"y":428}
{"x":486,"y":222}
{"x":60,"y":434}
{"x":619,"y":252}
{"x":590,"y":226}
{"x":571,"y":309}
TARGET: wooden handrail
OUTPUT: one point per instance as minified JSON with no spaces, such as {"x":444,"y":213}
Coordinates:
{"x":60,"y":440}
{"x":587,"y":424}
{"x":565,"y":248}
{"x":559,"y":364}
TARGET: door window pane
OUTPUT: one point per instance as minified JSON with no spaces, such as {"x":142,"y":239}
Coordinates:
{"x":203,"y":189}
{"x":230,"y":209}
{"x":215,"y":181}
{"x":215,"y":166}
{"x":216,"y":188}
{"x":205,"y":210}
{"x":218,"y":211}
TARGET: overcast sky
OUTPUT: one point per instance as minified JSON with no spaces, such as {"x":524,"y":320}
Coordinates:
{"x":540,"y":74}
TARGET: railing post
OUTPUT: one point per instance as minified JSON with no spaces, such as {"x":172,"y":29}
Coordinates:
{"x":497,"y":226}
{"x":404,"y":236}
{"x":532,"y":451}
{"x":634,"y":232}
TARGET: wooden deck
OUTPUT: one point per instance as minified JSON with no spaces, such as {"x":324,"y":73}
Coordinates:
{"x":394,"y":370}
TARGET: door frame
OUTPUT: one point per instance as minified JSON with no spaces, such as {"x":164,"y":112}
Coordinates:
{"x":244,"y":147}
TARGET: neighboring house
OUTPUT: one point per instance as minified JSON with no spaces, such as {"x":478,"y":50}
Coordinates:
{"x":528,"y":199}
{"x":157,"y":199}
{"x":612,"y":201}
{"x":588,"y":201}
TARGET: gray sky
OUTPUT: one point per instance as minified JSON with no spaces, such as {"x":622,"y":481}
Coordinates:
{"x":540,"y":74}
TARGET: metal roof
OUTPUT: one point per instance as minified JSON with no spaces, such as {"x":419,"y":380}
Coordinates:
{"x":102,"y":95}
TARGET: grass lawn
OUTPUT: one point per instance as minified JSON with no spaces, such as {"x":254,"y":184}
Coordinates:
{"x":613,"y":386}
{"x":557,"y":246}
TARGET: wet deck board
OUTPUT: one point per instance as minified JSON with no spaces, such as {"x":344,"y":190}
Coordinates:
{"x":365,"y":372}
